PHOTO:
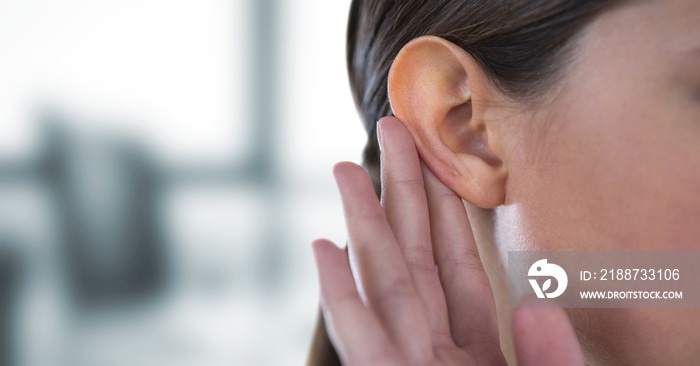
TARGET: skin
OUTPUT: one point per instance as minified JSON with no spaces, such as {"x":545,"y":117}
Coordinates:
{"x":624,"y":135}
{"x":607,"y":159}
{"x":402,"y":311}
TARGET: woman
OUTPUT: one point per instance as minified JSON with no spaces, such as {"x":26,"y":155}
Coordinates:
{"x":560,"y":125}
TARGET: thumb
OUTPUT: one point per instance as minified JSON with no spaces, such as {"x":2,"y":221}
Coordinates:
{"x":544,"y":336}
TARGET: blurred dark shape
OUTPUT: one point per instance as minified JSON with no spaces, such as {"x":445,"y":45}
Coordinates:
{"x":9,"y":278}
{"x":106,"y":194}
{"x":265,"y":51}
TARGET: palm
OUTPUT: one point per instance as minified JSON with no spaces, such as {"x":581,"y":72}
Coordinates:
{"x":419,"y":294}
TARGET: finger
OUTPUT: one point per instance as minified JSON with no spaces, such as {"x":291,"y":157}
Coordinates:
{"x":354,"y":330}
{"x":406,"y":208}
{"x":378,"y":263}
{"x":468,"y":294}
{"x":544,"y":337}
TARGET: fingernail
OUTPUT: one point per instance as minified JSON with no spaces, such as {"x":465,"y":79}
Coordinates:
{"x":379,"y":134}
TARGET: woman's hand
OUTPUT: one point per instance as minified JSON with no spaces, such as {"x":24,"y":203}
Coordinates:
{"x":403,"y":310}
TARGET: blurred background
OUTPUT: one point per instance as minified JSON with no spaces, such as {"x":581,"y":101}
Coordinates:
{"x":164,"y":167}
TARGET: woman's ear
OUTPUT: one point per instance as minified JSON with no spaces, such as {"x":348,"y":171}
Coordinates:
{"x":446,"y":101}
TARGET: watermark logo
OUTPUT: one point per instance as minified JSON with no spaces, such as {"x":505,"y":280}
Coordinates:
{"x":543,"y":269}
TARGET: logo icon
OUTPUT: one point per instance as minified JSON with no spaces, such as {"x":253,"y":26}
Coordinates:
{"x":543,"y":269}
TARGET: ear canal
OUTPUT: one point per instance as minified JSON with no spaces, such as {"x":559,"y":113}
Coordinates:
{"x":462,"y":134}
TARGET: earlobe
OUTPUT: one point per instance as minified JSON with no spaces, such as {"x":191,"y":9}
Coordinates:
{"x":442,"y":95}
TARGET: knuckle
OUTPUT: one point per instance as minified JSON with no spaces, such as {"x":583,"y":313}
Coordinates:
{"x":406,"y":182}
{"x":411,"y":181}
{"x":397,"y":290}
{"x":419,"y":257}
{"x":368,"y":218}
{"x":444,"y":197}
{"x":401,"y":287}
{"x":466,"y":257}
{"x":342,"y":301}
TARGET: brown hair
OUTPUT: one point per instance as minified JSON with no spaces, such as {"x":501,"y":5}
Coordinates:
{"x":522,"y":45}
